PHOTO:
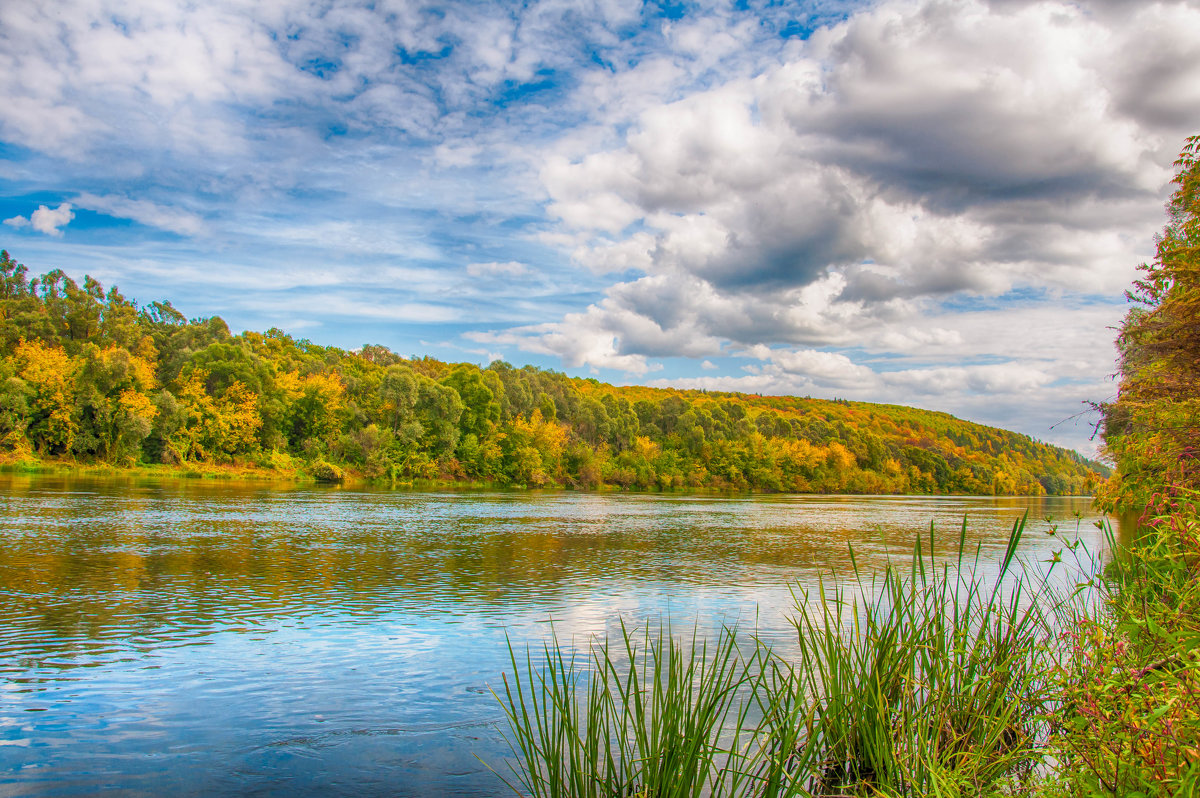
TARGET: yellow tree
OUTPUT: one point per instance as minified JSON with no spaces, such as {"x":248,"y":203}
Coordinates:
{"x":540,"y":444}
{"x":216,"y":428}
{"x":316,"y":408}
{"x":48,"y":372}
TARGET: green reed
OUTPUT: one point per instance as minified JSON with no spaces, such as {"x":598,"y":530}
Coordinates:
{"x":924,"y":679}
{"x":645,"y":717}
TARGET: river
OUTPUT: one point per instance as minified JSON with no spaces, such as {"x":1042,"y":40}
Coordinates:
{"x":197,"y":637}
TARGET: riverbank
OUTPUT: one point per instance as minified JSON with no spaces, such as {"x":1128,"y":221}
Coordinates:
{"x":287,"y":470}
{"x":283,"y":470}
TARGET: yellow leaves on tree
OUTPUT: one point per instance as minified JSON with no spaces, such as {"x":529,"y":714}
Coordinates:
{"x":839,"y":458}
{"x":217,"y":428}
{"x":798,"y":461}
{"x":48,"y":372}
{"x":538,"y":446}
{"x":316,"y":404}
{"x":136,"y":404}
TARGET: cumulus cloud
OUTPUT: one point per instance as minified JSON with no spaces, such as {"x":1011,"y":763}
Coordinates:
{"x":51,"y":220}
{"x":45,"y":219}
{"x":918,"y":149}
{"x":917,"y":160}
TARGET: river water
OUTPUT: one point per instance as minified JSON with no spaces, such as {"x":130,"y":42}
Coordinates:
{"x":195,"y":637}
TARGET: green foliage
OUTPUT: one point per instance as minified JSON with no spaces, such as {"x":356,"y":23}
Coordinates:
{"x":66,"y":390}
{"x":1151,"y":430}
{"x":644,"y":717}
{"x":1132,"y":689}
{"x":481,"y":411}
{"x":323,"y":471}
{"x":1130,"y":724}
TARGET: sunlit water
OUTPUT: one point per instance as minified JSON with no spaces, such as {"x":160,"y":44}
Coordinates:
{"x":191,"y":638}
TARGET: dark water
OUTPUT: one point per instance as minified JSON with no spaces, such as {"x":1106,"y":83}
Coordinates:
{"x":191,"y":638}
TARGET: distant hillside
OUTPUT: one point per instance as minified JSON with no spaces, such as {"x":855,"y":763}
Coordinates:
{"x":92,"y":376}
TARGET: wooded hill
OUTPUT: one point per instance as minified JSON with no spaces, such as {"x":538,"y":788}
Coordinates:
{"x":88,"y":375}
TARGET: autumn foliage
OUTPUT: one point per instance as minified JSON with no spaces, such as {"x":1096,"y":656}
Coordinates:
{"x":88,"y":375}
{"x":1152,"y":431}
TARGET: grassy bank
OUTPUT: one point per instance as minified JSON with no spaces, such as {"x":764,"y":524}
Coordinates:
{"x":286,"y":469}
{"x":283,"y":470}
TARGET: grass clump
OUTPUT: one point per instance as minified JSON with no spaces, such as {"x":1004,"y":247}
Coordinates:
{"x":644,"y":717}
{"x":931,"y":682}
{"x":930,"y":679}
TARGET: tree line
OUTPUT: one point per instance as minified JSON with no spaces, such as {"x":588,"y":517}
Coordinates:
{"x":1152,"y":428}
{"x":89,"y":375}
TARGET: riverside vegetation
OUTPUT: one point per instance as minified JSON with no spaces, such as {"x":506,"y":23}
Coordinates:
{"x":931,"y":680}
{"x":89,"y":377}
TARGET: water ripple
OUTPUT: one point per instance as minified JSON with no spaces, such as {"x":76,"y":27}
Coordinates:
{"x":194,"y":638}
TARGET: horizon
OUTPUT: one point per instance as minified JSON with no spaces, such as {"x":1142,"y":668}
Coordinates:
{"x":901,"y":202}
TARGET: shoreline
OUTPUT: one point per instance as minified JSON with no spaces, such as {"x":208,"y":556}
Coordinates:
{"x":299,"y":476}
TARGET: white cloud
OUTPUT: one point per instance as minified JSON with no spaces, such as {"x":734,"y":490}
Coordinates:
{"x":506,"y":269}
{"x":927,"y":183}
{"x":45,"y":219}
{"x":593,"y":349}
{"x":143,"y":212}
{"x":448,"y":155}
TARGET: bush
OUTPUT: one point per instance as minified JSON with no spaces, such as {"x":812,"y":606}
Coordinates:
{"x":324,"y":471}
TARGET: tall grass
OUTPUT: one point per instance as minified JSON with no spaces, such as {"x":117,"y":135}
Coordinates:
{"x":645,"y":719}
{"x":927,"y":678}
{"x":936,"y":685}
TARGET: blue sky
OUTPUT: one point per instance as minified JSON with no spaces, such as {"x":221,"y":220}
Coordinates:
{"x":909,"y":201}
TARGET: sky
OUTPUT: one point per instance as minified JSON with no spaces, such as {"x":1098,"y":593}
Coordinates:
{"x":935,"y":203}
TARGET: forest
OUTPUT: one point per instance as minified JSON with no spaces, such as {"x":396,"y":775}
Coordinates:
{"x":89,"y":376}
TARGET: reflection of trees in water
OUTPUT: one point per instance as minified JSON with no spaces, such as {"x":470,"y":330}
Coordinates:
{"x":106,"y":559}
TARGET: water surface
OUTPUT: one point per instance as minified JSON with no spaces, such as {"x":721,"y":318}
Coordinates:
{"x":200,"y":638}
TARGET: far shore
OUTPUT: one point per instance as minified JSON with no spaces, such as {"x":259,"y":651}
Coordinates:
{"x":299,"y":476}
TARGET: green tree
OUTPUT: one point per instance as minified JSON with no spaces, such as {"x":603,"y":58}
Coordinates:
{"x":114,"y":408}
{"x":1151,"y":430}
{"x":480,"y":410}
